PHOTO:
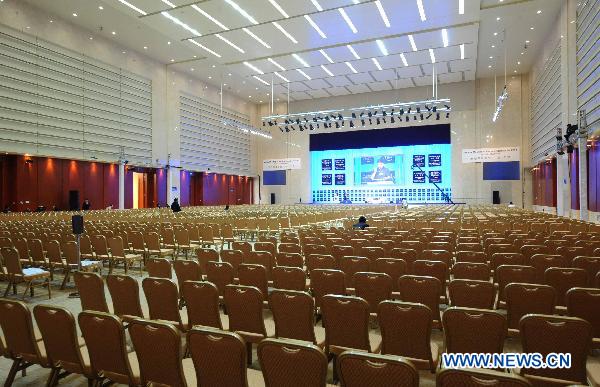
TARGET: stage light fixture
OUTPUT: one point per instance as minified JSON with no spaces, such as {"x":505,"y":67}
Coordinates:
{"x":301,"y":128}
{"x":318,"y":125}
{"x":415,"y":117}
{"x":298,"y":121}
{"x":312,"y":127}
{"x":448,"y":115}
{"x":370,"y":114}
{"x":352,"y":124}
{"x":418,"y":109}
{"x":428,"y":108}
{"x":378,"y":121}
{"x":287,"y":129}
{"x":354,"y":115}
{"x":409,"y":109}
{"x":343,"y":124}
{"x":434,"y":109}
{"x":314,"y":119}
{"x":375,"y":113}
{"x":340,"y":117}
{"x":362,"y":114}
{"x":264,"y":123}
{"x":305,"y":119}
{"x":362,"y":122}
{"x":280,"y":128}
{"x":392,"y":120}
{"x":437,"y":116}
{"x":421,"y":116}
{"x":401,"y":112}
{"x":407,"y":118}
{"x":326,"y":118}
{"x":384,"y":121}
{"x":447,"y":107}
{"x":337,"y":125}
{"x":384,"y":113}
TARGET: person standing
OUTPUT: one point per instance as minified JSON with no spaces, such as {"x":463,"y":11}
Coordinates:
{"x":175,"y":207}
{"x":86,"y":205}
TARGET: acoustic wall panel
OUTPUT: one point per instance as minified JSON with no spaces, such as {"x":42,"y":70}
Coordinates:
{"x":588,"y":66}
{"x":546,"y":108}
{"x":60,"y":103}
{"x":207,"y":142}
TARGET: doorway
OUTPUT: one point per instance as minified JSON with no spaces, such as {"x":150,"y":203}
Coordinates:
{"x":139,"y":190}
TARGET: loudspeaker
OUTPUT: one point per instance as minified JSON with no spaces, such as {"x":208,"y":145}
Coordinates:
{"x":495,"y":197}
{"x":74,"y":200}
{"x":272,"y":198}
{"x":77,"y":223}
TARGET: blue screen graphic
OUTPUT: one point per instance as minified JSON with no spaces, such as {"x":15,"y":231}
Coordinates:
{"x":382,"y":175}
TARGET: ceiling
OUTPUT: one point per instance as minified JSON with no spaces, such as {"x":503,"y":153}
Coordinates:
{"x":308,"y":46}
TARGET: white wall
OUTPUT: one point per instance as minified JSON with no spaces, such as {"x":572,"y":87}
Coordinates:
{"x":471,"y":126}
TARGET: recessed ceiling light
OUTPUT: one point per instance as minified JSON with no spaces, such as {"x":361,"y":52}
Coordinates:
{"x":382,"y":47}
{"x":145,"y":47}
{"x":229,"y":74}
{"x":299,"y":59}
{"x":498,"y":18}
{"x":213,"y":66}
{"x":172,"y":60}
{"x":250,"y":65}
{"x":192,"y":69}
{"x":51,"y":21}
{"x":281,"y":76}
{"x":249,"y":96}
{"x":522,"y":53}
{"x":181,"y":24}
{"x":209,"y":77}
{"x":230,"y":43}
{"x":495,"y":34}
{"x":572,"y":21}
{"x":489,"y":66}
{"x":351,"y":67}
{"x":462,"y":51}
{"x":326,"y":56}
{"x":353,"y":51}
{"x":195,"y":56}
{"x":376,"y":63}
{"x":493,"y":46}
{"x":445,"y":37}
{"x":461,"y":7}
{"x":91,"y":38}
{"x":539,"y":11}
{"x":347,"y":19}
{"x":169,"y":43}
{"x":421,"y":10}
{"x":114,"y":33}
{"x":260,"y":101}
{"x":515,"y":71}
{"x":276,"y":64}
{"x":283,"y":31}
{"x":327,"y":71}
{"x":432,"y":55}
{"x":491,"y":57}
{"x":412,"y":42}
{"x":303,"y":73}
{"x":382,"y":13}
{"x":403,"y":59}
{"x":527,"y":41}
{"x":74,"y":14}
{"x":123,"y":52}
{"x":315,"y":26}
{"x":209,"y":17}
{"x":518,"y":63}
{"x":531,"y":28}
{"x":100,"y":7}
{"x":28,"y":27}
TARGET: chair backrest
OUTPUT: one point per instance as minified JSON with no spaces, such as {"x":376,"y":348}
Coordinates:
{"x":99,"y":244}
{"x":116,"y":246}
{"x":346,"y":322}
{"x":405,"y":329}
{"x":265,"y":246}
{"x":564,"y":278}
{"x":471,"y":271}
{"x":451,"y":377}
{"x":530,"y":250}
{"x":553,"y":334}
{"x":21,"y":245}
{"x":541,"y":262}
{"x":522,"y":299}
{"x":204,"y":256}
{"x":293,"y":314}
{"x":104,"y":336}
{"x":152,"y":240}
{"x":70,"y":252}
{"x":53,"y":252}
{"x":351,"y":265}
{"x":182,"y":236}
{"x":394,"y":267}
{"x":159,"y":268}
{"x":289,"y":248}
{"x":320,"y":261}
{"x":423,"y":289}
{"x":436,"y":269}
{"x":125,"y":294}
{"x":471,"y":330}
{"x":408,"y":255}
{"x":11,"y":259}
{"x":506,"y":274}
{"x":472,"y":293}
{"x":290,"y":278}
{"x":253,"y":275}
{"x":163,"y":298}
{"x":186,"y":270}
{"x":437,"y":255}
{"x":471,"y":256}
{"x":292,"y":363}
{"x":233,"y":257}
{"x":585,"y":303}
{"x":245,"y":309}
{"x":91,"y":291}
{"x":365,"y":369}
{"x":161,"y":367}
{"x":506,"y":259}
{"x":220,"y":274}
{"x":202,"y":302}
{"x":570,"y":252}
{"x":327,"y":281}
{"x":590,"y":264}
{"x":289,"y":259}
{"x":57,"y":326}
{"x":137,"y":240}
{"x":219,"y":357}
{"x":263,"y":258}
{"x":243,"y":246}
{"x":17,"y":327}
{"x":373,"y":288}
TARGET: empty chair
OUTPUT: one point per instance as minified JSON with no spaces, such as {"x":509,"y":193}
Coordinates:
{"x":541,"y":262}
{"x":290,"y":278}
{"x":125,"y":294}
{"x":15,"y":274}
{"x":471,"y":271}
{"x":436,"y":269}
{"x":245,"y":309}
{"x":356,"y":369}
{"x":437,"y":255}
{"x":339,"y":251}
{"x":353,"y":265}
{"x":373,"y":288}
{"x":552,"y":334}
{"x":202,"y":303}
{"x":159,"y":268}
{"x":289,"y":248}
{"x":408,"y":255}
{"x":585,"y":303}
{"x":91,"y":291}
{"x":182,"y":238}
{"x":74,"y":262}
{"x":21,"y":344}
{"x":406,"y":331}
{"x":118,"y":253}
{"x":37,"y":253}
{"x":219,"y":358}
{"x":289,"y":259}
{"x":564,"y":278}
{"x":263,"y":258}
{"x":471,"y":256}
{"x":590,"y":264}
{"x":186,"y":270}
{"x":324,"y":281}
{"x":346,"y":322}
{"x":394,"y":267}
{"x":320,"y":261}
{"x":162,"y":367}
{"x":163,"y":300}
{"x":522,"y":299}
{"x":205,"y":255}
{"x":506,"y":274}
{"x":243,"y":246}
{"x":233,"y":257}
{"x":104,"y":336}
{"x":59,"y":333}
{"x":424,"y":290}
{"x":154,"y":248}
{"x":371,"y":252}
{"x":570,"y":252}
{"x":506,"y":259}
{"x":100,"y":247}
{"x":56,"y":261}
{"x":265,"y":246}
{"x":220,"y":273}
{"x":254,"y":275}
{"x":293,"y":315}
{"x":310,"y":249}
{"x":529,"y":251}
{"x":292,"y":363}
{"x":472,"y":293}
{"x":451,"y":377}
{"x":470,"y":330}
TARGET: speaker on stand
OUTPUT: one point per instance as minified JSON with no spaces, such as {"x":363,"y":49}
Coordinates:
{"x":78,"y":229}
{"x":495,"y":197}
{"x":73,"y":200}
{"x":272,"y":198}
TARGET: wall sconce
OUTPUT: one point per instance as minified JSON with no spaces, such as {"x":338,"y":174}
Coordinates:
{"x":28,"y":161}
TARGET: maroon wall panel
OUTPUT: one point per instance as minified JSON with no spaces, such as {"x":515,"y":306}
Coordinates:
{"x":111,"y":185}
{"x":574,"y":173}
{"x":161,"y":186}
{"x":184,"y":188}
{"x":128,"y":188}
{"x":50,"y":182}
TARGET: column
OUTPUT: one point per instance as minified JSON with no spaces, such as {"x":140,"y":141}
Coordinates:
{"x":121,"y":186}
{"x":563,"y":186}
{"x":583,"y":179}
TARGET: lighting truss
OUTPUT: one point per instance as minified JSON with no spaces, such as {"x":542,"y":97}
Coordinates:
{"x":245,"y":128}
{"x":500,"y":104}
{"x":373,"y":113}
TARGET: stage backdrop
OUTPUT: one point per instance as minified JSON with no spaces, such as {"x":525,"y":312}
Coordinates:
{"x":382,"y":165}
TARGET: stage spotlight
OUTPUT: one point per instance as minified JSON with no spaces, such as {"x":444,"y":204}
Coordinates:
{"x":447,"y":107}
{"x":352,"y":124}
{"x":384,"y":121}
{"x":362,"y":114}
{"x":362,"y":122}
{"x":312,"y":127}
{"x":392,"y":113}
{"x":448,"y":115}
{"x":286,"y":121}
{"x":337,"y":125}
{"x":298,"y":121}
{"x":418,"y":109}
{"x":340,"y":117}
{"x":287,"y":129}
{"x":264,"y":123}
{"x":326,"y":118}
{"x":270,"y":123}
{"x":314,"y":119}
{"x":370,"y":114}
{"x":437,"y":116}
{"x":392,"y":120}
{"x":428,"y":108}
{"x":280,"y":128}
{"x":407,"y":118}
{"x":301,"y":128}
{"x":353,"y":115}
{"x":375,"y":113}
{"x":343,"y":123}
{"x":333,"y":116}
{"x":401,"y":112}
{"x":378,"y":121}
{"x":415,"y":117}
{"x":421,"y":116}
{"x":305,"y":119}
{"x":370,"y":122}
{"x":384,"y":113}
{"x":318,"y":125}
{"x":435,"y":109}
{"x":409,"y":109}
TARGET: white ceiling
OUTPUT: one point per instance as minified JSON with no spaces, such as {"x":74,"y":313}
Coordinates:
{"x":474,"y":30}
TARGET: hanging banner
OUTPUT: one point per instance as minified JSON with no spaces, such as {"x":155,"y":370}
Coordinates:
{"x":481,"y":155}
{"x":281,"y":164}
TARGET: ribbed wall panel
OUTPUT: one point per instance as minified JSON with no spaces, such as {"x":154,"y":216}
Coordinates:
{"x":588,"y":65}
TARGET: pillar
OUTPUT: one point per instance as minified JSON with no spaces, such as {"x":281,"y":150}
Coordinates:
{"x":121,"y":186}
